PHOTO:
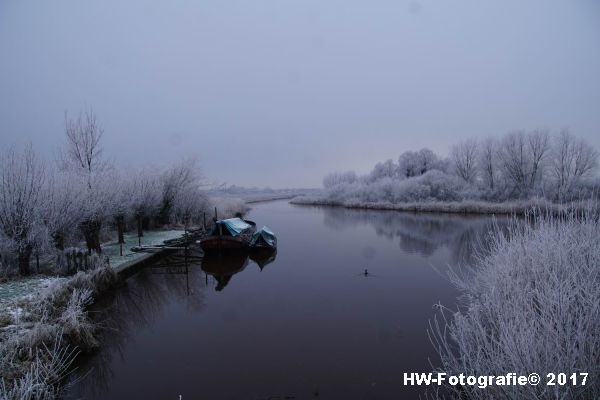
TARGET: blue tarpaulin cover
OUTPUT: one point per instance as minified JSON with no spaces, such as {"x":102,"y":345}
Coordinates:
{"x":235,"y":226}
{"x":265,"y":234}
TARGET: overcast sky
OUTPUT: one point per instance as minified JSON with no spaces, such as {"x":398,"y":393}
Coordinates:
{"x":277,"y":92}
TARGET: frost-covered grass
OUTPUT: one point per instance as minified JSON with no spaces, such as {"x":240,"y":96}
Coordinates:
{"x":12,"y":289}
{"x":41,"y":335}
{"x":516,"y":207}
{"x":532,"y":304}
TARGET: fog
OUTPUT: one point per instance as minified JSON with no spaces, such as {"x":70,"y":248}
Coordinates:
{"x":280,"y":93}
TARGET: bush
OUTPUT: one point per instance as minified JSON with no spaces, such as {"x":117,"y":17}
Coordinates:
{"x":532,"y":305}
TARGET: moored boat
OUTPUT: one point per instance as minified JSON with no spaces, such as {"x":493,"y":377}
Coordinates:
{"x":229,"y":234}
{"x":264,"y":238}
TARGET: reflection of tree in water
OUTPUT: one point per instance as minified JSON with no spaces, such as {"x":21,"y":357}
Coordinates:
{"x":131,"y":307}
{"x":419,"y":233}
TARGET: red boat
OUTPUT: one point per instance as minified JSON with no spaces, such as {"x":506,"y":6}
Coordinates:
{"x":229,"y":234}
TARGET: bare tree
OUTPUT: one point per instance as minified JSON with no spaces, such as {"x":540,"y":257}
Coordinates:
{"x":514,"y":161}
{"x":487,"y":162}
{"x":22,"y":177}
{"x":538,"y":145}
{"x":464,"y":159}
{"x":83,"y":142}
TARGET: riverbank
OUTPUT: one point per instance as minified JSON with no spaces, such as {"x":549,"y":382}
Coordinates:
{"x":516,"y":207}
{"x":44,"y":322}
{"x":42,"y":334}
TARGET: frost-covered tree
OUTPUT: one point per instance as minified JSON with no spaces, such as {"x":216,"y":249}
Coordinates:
{"x":83,"y":156}
{"x":189,"y":205}
{"x":61,"y":206}
{"x":415,"y":163}
{"x":22,"y":176}
{"x":178,"y":181}
{"x":145,"y":196}
{"x":83,"y":149}
{"x":464,"y":159}
{"x":514,"y":160}
{"x":538,"y":146}
{"x":572,"y":159}
{"x":522,"y":157}
{"x":386,"y":169}
{"x":336,"y":178}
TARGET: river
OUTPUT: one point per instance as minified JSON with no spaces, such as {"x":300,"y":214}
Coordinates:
{"x":309,"y":324}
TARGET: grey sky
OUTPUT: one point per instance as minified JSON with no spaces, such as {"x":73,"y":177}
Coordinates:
{"x":276,"y":92}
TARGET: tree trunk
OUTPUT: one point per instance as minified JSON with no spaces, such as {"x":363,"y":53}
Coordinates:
{"x":165,"y":212}
{"x":91,"y":232}
{"x":120,"y":222}
{"x":24,"y":255}
{"x":140,"y":225}
{"x":58,"y":238}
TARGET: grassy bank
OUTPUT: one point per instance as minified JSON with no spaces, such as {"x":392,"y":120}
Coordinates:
{"x":42,"y":334}
{"x":517,"y":207}
{"x":531,"y":304}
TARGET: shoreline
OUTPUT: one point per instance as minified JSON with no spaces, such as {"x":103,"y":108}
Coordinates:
{"x":63,"y":337}
{"x":468,"y":207}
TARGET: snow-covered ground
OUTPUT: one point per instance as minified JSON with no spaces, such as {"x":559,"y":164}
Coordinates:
{"x":150,"y":238}
{"x":13,"y":289}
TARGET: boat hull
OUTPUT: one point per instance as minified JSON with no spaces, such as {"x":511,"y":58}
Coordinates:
{"x":214,"y":243}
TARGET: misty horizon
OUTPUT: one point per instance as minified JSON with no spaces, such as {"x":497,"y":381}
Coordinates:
{"x":280,"y":94}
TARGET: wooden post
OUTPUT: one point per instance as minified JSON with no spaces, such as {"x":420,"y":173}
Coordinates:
{"x":216,"y":216}
{"x":204,"y":220}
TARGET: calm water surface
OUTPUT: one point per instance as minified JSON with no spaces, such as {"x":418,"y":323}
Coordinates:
{"x":306,"y":325}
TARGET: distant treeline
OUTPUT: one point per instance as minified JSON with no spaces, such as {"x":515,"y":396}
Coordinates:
{"x":520,"y":165}
{"x":46,"y":206}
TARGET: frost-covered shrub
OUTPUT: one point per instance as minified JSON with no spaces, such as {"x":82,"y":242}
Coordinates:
{"x":532,"y":305}
{"x":433,"y":185}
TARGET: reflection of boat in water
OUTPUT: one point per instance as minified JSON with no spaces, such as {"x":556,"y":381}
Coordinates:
{"x":229,"y":234}
{"x":222,"y":266}
{"x":263,"y":256}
